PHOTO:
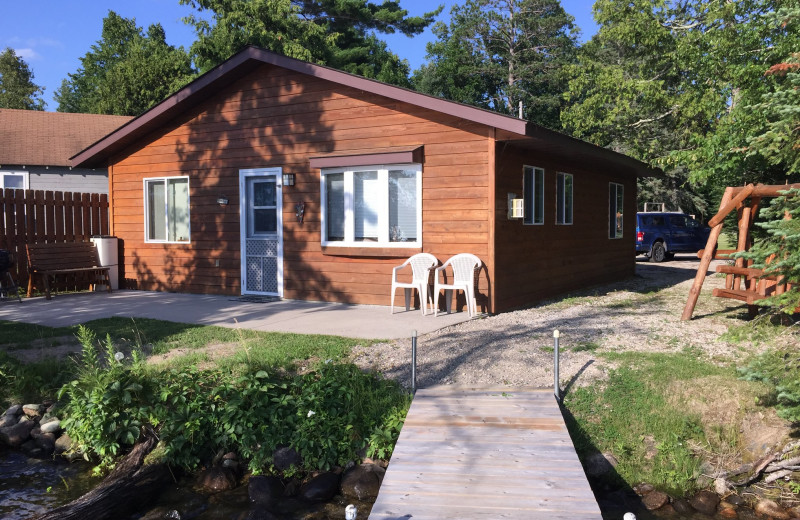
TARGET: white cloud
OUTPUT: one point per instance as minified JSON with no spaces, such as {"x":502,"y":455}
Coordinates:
{"x":28,"y":54}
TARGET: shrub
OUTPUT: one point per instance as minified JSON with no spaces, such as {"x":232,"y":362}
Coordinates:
{"x":328,"y":415}
{"x":780,"y":369}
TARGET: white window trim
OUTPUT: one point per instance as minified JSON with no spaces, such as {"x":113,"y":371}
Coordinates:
{"x":349,"y":221}
{"x":533,"y":194}
{"x":147,"y":212}
{"x":619,"y":186}
{"x":17,"y":173}
{"x":563,"y":201}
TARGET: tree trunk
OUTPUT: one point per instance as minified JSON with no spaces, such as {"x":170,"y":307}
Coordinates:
{"x":126,"y":489}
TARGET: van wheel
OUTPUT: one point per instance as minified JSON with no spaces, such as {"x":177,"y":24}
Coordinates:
{"x":657,"y":252}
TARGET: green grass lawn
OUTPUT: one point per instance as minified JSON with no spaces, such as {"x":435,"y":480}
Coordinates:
{"x":263,"y":350}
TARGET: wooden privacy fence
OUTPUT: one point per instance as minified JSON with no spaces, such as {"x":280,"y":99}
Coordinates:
{"x":34,"y":216}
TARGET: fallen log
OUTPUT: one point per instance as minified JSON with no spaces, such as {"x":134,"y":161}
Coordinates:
{"x":128,"y":488}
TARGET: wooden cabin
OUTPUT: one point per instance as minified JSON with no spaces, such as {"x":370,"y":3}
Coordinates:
{"x":273,"y":176}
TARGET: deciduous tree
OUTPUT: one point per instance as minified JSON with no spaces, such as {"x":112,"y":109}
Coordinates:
{"x":667,"y":82}
{"x":17,"y":89}
{"x":126,"y":72}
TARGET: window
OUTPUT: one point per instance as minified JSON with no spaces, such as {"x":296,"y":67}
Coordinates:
{"x":375,"y":206}
{"x":166,"y":209}
{"x":533,"y":194}
{"x":564,"y":198}
{"x":14,"y":180}
{"x":615,"y":209}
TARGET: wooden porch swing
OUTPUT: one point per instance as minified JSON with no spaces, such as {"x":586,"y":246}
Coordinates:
{"x":742,"y":282}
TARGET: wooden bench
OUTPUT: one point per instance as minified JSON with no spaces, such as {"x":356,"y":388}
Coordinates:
{"x":65,"y":265}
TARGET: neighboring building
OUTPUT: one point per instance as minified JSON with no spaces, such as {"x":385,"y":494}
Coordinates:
{"x":35,"y":148}
{"x":270,"y":175}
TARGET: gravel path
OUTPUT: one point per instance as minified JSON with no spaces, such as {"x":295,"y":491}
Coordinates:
{"x":515,"y":348}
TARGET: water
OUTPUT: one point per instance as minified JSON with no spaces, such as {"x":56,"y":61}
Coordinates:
{"x":31,"y":486}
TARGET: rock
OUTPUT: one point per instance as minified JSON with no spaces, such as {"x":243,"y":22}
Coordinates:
{"x":64,"y":443}
{"x":285,"y":457}
{"x":720,"y":486}
{"x":50,"y":427}
{"x":46,"y":441}
{"x":261,"y":514}
{"x":320,"y":488}
{"x":705,"y":502}
{"x":682,"y":506}
{"x":8,"y":420}
{"x":32,"y":449}
{"x":15,"y":436}
{"x":771,"y":509}
{"x":734,"y":499}
{"x":655,"y":500}
{"x":292,"y":488}
{"x":643,"y":489}
{"x":32,"y":410}
{"x":265,"y":491}
{"x":14,"y":410}
{"x":598,"y":464}
{"x":727,"y":512}
{"x":25,"y":418}
{"x":216,"y":479}
{"x":362,"y":481}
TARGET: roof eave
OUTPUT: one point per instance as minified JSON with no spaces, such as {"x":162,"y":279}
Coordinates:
{"x":251,"y":57}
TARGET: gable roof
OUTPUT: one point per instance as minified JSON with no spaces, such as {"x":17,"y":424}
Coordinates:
{"x":36,"y":138}
{"x":512,"y":129}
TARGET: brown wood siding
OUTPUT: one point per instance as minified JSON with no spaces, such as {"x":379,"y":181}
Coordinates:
{"x":535,"y":262}
{"x":277,"y":118}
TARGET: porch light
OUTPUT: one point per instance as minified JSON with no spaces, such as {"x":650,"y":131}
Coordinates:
{"x":222,"y":200}
{"x":288,"y":179}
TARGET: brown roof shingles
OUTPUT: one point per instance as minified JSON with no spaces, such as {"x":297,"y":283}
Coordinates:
{"x":35,"y":138}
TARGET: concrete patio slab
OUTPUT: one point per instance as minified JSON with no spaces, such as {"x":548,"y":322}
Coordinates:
{"x":355,"y":321}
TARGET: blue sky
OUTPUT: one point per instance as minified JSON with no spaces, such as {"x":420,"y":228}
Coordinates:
{"x":52,"y":35}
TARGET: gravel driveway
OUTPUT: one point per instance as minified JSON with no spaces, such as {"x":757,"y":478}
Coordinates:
{"x":515,"y":348}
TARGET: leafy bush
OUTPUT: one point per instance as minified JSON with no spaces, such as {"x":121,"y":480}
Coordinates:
{"x":779,"y":368}
{"x":108,"y":403}
{"x":328,"y":415}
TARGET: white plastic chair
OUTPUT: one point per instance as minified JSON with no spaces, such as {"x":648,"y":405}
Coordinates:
{"x":464,"y":265}
{"x":421,"y":265}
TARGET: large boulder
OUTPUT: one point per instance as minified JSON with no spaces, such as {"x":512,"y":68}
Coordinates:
{"x":216,"y":479}
{"x":771,"y":509}
{"x":285,"y":457}
{"x":265,"y":490}
{"x":320,"y":488}
{"x":706,"y":502}
{"x":17,"y":435}
{"x":362,"y":481}
{"x":655,"y":500}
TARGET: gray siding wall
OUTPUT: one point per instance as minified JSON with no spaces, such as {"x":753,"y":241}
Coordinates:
{"x":55,"y":178}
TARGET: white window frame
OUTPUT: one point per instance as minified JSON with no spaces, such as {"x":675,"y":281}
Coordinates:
{"x":383,"y":218}
{"x":562,"y":203}
{"x":538,"y":198}
{"x":146,"y":221}
{"x":25,"y":176}
{"x":618,"y":187}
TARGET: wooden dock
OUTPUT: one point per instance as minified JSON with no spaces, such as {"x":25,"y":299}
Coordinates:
{"x":468,"y":452}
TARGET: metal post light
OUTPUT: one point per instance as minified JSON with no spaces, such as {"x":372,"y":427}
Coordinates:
{"x":556,"y":389}
{"x":414,"y":362}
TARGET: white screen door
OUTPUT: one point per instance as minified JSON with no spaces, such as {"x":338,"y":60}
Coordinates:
{"x":261,"y":231}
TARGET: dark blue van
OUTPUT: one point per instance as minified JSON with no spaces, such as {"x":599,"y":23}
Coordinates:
{"x":659,"y":235}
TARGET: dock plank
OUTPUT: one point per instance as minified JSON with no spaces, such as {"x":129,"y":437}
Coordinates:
{"x":484,"y":452}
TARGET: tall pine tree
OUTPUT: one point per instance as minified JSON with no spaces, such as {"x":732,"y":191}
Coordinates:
{"x":337,"y":33}
{"x":500,"y":54}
